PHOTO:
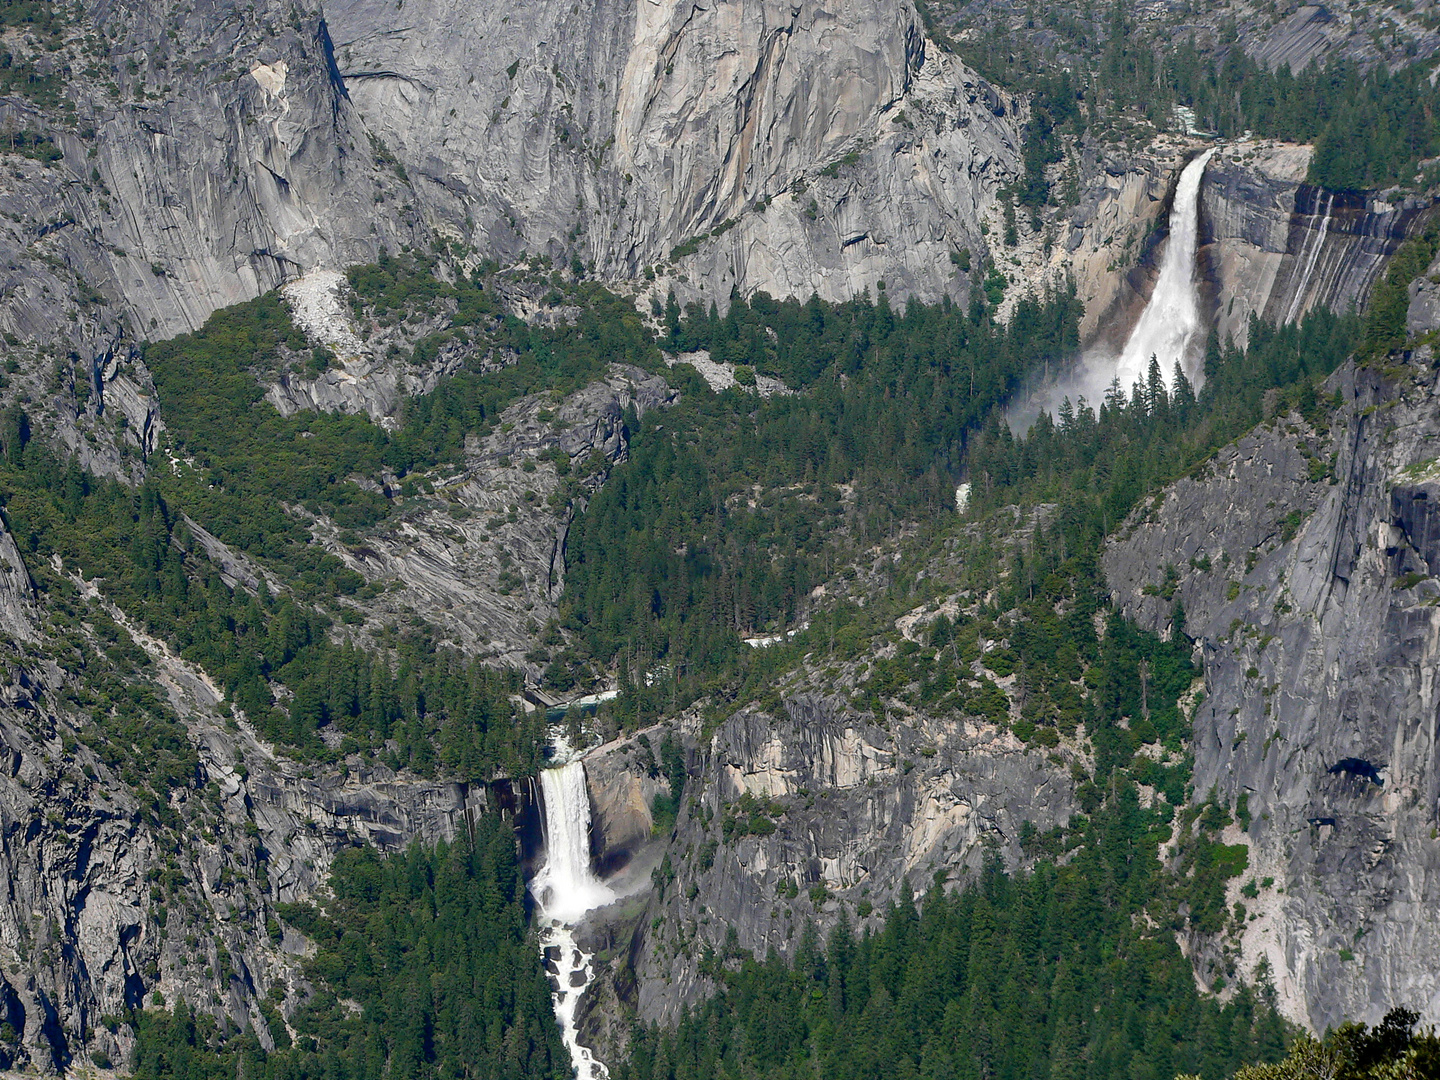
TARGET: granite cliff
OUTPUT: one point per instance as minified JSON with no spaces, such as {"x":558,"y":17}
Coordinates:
{"x":217,"y":152}
{"x":1318,"y":708}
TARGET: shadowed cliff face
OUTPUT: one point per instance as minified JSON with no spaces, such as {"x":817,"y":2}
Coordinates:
{"x":1277,"y":247}
{"x":1306,"y":560}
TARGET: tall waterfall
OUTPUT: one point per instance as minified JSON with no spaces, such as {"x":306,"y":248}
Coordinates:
{"x":566,"y":888}
{"x":1171,"y":319}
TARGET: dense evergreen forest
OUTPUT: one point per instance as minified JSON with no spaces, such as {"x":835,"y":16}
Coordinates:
{"x":1070,"y":970}
{"x":1392,"y":1048}
{"x":438,"y":708}
{"x":423,"y":968}
{"x":730,"y":514}
{"x":1371,"y":126}
{"x":1058,"y":973}
{"x":766,"y":498}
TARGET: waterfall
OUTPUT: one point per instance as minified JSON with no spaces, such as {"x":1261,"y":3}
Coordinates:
{"x":566,"y":888}
{"x":1171,"y":320}
{"x":1309,"y":265}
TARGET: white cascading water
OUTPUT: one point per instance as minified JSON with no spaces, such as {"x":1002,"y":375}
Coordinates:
{"x":1171,"y":320}
{"x":1310,"y":260}
{"x":566,"y":888}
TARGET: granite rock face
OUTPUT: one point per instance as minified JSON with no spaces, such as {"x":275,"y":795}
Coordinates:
{"x":1106,"y":243}
{"x":855,"y":812}
{"x":788,"y":147}
{"x":213,"y":155}
{"x":1276,"y":247}
{"x":109,"y":899}
{"x":221,"y":151}
{"x":485,"y":561}
{"x":794,"y":147}
{"x":1306,"y":559}
{"x":1271,"y":245}
{"x":249,"y":168}
{"x":1322,"y":33}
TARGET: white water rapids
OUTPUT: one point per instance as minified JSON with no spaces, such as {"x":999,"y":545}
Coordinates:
{"x":566,"y":888}
{"x":1171,"y":320}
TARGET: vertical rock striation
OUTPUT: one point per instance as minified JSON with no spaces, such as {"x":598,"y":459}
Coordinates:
{"x":1276,"y":246}
{"x":1307,"y":561}
{"x":790,"y":147}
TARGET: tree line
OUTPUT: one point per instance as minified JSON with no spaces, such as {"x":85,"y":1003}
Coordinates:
{"x":423,"y":968}
{"x":1060,"y":973}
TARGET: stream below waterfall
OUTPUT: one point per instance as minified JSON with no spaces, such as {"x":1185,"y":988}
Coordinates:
{"x":565,"y":889}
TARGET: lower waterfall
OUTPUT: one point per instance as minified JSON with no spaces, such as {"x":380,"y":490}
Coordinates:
{"x":1171,"y":319}
{"x":566,"y":888}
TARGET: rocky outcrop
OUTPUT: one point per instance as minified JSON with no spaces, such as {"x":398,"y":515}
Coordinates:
{"x":485,"y":557}
{"x":118,"y":895}
{"x":112,"y":900}
{"x":624,"y":778}
{"x":1305,"y":560}
{"x":1276,"y":246}
{"x":371,"y":373}
{"x":1323,"y":33}
{"x":1106,"y":242}
{"x":1271,"y":245}
{"x":789,"y":820}
{"x":19,"y":618}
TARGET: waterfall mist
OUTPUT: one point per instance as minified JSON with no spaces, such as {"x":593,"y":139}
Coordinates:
{"x":1170,"y":328}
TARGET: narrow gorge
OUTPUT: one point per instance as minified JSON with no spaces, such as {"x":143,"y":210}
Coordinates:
{"x":644,"y":540}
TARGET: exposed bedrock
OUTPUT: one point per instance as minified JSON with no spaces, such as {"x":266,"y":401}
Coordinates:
{"x":830,"y":145}
{"x":1276,"y":246}
{"x":254,"y":168}
{"x":102,"y":904}
{"x":486,"y":559}
{"x":783,"y":816}
{"x":1306,"y":561}
{"x":1272,"y":245}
